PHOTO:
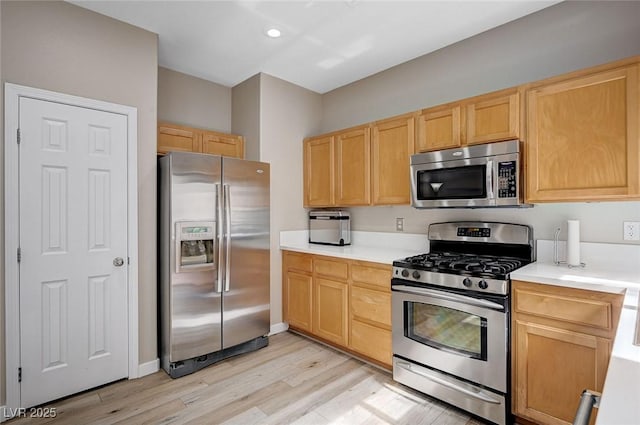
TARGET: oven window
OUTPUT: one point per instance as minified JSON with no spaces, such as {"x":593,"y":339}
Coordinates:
{"x":466,"y":182}
{"x":446,"y":329}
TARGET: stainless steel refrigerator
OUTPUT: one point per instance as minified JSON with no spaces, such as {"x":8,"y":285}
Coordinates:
{"x":213,"y":259}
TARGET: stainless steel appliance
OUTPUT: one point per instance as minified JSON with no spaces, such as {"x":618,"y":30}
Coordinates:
{"x":450,"y":314}
{"x":213,"y":259}
{"x":328,"y":227}
{"x":488,"y":175}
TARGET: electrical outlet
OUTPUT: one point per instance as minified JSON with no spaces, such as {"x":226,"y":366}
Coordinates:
{"x":631,"y":230}
{"x":400,"y":224}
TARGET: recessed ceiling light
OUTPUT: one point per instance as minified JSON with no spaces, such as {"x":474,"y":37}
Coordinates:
{"x":273,"y":32}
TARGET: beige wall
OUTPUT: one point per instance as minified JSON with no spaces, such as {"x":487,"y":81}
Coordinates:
{"x":564,"y":37}
{"x":288,"y":113}
{"x":191,"y":101}
{"x":245,"y":106}
{"x":60,"y":47}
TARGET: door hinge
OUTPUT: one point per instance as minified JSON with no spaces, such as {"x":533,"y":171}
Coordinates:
{"x":19,"y":254}
{"x":18,"y":136}
{"x":19,"y":374}
{"x":128,"y":261}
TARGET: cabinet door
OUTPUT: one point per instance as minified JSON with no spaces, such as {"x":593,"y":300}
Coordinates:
{"x":331,"y":268}
{"x":330,"y":310}
{"x":372,"y":341}
{"x":222,"y":144}
{"x":318,"y":173}
{"x":375,"y":275}
{"x":439,"y":128}
{"x":177,"y":138}
{"x":552,"y":368}
{"x":371,"y":306}
{"x":392,"y":145}
{"x":298,"y":300}
{"x":493,"y":117}
{"x":583,"y":141}
{"x":353,"y":165}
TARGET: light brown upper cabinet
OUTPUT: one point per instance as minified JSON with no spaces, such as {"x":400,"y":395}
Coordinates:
{"x":318,"y":172}
{"x":366,"y":165}
{"x":583,"y":141}
{"x":353,"y":167}
{"x":337,"y":169}
{"x":487,"y":118}
{"x":222,"y":144}
{"x":439,"y":128}
{"x":173,"y":137}
{"x":493,"y":117}
{"x":392,"y":144}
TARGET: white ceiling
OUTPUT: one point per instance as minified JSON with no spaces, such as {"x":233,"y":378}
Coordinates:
{"x":324,"y":44}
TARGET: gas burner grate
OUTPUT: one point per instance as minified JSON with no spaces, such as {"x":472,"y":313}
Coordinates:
{"x":463,"y":264}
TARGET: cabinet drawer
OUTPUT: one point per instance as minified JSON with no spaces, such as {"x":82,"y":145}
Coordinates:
{"x":582,"y":311}
{"x":371,"y":341}
{"x":332,"y":268}
{"x":380,"y":277}
{"x":371,"y":305}
{"x":300,"y":262}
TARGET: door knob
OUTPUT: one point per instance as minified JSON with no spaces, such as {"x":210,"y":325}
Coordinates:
{"x":118,"y":261}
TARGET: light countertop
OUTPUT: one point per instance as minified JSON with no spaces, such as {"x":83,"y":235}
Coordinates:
{"x":377,"y":247}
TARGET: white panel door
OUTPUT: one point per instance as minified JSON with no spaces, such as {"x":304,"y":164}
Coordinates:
{"x":73,"y":225}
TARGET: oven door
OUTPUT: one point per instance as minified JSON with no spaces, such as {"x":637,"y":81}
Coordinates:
{"x":460,"y":335}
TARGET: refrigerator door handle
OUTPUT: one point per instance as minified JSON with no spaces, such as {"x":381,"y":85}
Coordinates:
{"x":219,"y":224}
{"x":227,"y":209}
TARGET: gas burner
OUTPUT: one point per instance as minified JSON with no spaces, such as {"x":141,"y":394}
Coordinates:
{"x":464,"y":264}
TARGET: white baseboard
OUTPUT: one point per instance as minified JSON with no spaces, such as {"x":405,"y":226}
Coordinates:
{"x":278,"y":327}
{"x":148,"y":368}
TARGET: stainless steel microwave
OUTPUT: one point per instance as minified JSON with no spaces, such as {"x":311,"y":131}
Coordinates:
{"x":478,"y":176}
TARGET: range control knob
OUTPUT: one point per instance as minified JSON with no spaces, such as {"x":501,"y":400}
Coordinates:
{"x":415,"y":274}
{"x":467,"y":282}
{"x":483,"y":284}
{"x":405,"y":273}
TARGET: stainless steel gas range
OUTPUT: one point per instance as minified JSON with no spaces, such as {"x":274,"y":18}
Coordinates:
{"x":451,"y":314}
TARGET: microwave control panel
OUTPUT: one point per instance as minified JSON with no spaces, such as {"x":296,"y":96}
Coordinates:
{"x":507,"y":174}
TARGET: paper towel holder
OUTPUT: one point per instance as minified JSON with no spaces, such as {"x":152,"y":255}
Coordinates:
{"x":556,"y":257}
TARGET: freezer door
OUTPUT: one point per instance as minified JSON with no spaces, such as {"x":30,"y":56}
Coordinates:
{"x":247,"y":255}
{"x":191,"y":295}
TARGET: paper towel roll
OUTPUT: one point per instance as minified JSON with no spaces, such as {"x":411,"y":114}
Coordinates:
{"x":573,"y":242}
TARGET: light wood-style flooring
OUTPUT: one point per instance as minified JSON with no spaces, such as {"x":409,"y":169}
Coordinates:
{"x":292,"y":381}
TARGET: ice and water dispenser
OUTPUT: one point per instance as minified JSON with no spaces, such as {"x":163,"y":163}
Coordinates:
{"x":195,"y":245}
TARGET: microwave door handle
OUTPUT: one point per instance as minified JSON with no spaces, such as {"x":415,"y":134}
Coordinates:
{"x":490,"y":183}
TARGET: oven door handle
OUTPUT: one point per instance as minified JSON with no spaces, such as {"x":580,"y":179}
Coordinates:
{"x":448,"y":296}
{"x":479,"y":395}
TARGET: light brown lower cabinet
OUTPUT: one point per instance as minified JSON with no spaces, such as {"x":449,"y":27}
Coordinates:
{"x":562,"y":340}
{"x":345,"y":303}
{"x":329,"y":310}
{"x":298,"y":284}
